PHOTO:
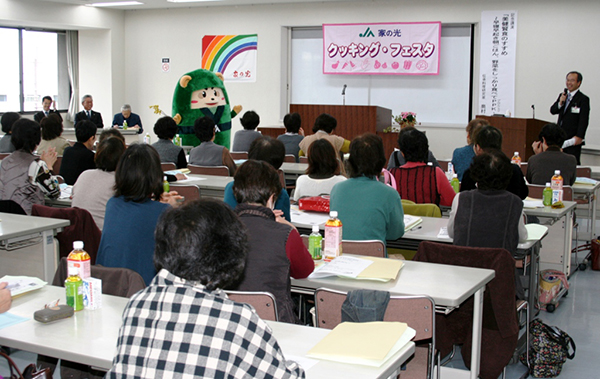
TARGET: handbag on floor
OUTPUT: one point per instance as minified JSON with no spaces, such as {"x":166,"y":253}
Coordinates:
{"x":548,"y":350}
{"x":30,"y":372}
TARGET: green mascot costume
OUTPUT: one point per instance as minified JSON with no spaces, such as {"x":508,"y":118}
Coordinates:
{"x":202,"y":93}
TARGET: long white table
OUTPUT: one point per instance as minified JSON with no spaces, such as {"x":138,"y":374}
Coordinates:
{"x":293,"y":170}
{"x":27,"y":245}
{"x":90,"y":337}
{"x":210,"y":185}
{"x":449,"y":286}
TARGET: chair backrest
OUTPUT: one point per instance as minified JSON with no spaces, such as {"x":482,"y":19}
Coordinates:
{"x":417,"y":311}
{"x":168,"y":166}
{"x":116,"y":281}
{"x":4,"y":155}
{"x":303,"y":159}
{"x":56,"y":165}
{"x":444,"y":163}
{"x":239,"y":155}
{"x":281,"y":177}
{"x":191,"y":192}
{"x":427,"y":210}
{"x":524,"y":168}
{"x":209,"y":170}
{"x":536,"y":191}
{"x":370,"y":248}
{"x":584,"y":172}
{"x":290,"y":158}
{"x":263,"y":302}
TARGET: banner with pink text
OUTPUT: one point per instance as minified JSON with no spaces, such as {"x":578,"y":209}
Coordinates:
{"x":399,"y":48}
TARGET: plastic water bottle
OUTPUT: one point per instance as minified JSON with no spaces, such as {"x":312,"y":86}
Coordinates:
{"x":455,"y":183}
{"x":516,"y":159}
{"x":547,"y":195}
{"x":450,"y":172}
{"x":166,"y":185}
{"x":147,"y":138}
{"x":124,"y":124}
{"x":177,"y":140}
{"x":557,"y":187}
{"x":315,"y":241}
{"x":79,"y":261}
{"x":333,"y":237}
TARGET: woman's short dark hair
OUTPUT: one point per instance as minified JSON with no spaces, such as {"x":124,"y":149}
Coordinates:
{"x":108,"y":153}
{"x":292,"y":122}
{"x":204,"y":128}
{"x":491,"y":170}
{"x":7,"y":121}
{"x":192,"y":245}
{"x":553,"y":134}
{"x":139,"y":176}
{"x":165,"y":128}
{"x":413,"y":144}
{"x":325,"y":122}
{"x":109,"y":133}
{"x":84,"y":130}
{"x":26,"y":134}
{"x":367,"y":157}
{"x":487,"y":137}
{"x":268,"y":150}
{"x":255,"y":182}
{"x":52,"y":127}
{"x":250,"y":120}
{"x":322,"y":160}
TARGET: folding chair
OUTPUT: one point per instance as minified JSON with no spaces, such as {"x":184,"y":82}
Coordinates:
{"x":416,"y":311}
{"x":239,"y":155}
{"x":370,"y":248}
{"x":209,"y":170}
{"x":190,"y":192}
{"x":168,"y":166}
{"x":263,"y":302}
{"x":290,"y":158}
{"x":56,"y":166}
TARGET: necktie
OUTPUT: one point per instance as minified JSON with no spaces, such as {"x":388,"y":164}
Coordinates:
{"x":569,"y":96}
{"x":88,"y":114}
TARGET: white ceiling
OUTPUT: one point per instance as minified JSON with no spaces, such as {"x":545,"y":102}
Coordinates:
{"x":154,"y":4}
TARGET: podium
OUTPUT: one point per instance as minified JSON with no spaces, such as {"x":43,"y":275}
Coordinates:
{"x":517,"y":134}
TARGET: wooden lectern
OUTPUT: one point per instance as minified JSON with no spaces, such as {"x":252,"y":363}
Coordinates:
{"x":517,"y":134}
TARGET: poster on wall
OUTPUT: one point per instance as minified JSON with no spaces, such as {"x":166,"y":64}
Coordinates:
{"x":232,"y":55}
{"x":497,"y":63}
{"x":399,"y":48}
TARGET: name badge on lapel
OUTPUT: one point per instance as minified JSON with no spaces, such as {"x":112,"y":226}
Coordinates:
{"x":575,"y":109}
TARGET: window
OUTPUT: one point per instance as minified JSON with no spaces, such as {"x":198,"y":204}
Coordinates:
{"x":34,"y":66}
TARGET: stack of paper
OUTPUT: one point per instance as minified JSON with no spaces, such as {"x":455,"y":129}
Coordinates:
{"x":366,"y":343}
{"x":535,"y":231}
{"x":411,"y":221}
{"x":363,"y":268}
{"x":307,"y":218}
{"x":585,"y":181}
{"x":530,"y":203}
{"x":21,"y":284}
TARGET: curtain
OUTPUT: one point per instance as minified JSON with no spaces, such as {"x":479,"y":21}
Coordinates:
{"x":73,"y":69}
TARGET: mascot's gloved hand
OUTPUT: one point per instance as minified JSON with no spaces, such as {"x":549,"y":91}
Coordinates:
{"x":202,"y":93}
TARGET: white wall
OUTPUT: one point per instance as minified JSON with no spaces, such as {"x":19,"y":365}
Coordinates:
{"x":554,"y":37}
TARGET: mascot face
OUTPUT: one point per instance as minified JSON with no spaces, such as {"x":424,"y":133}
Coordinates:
{"x":207,"y":98}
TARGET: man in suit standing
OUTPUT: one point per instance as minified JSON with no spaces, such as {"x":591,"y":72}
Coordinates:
{"x":46,"y":103}
{"x":573,"y":109}
{"x":88,"y":114}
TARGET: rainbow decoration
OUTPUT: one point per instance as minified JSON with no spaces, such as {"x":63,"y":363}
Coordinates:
{"x":218,"y":51}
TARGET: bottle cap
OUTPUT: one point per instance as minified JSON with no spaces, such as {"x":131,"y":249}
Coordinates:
{"x":547,"y":184}
{"x":165,"y":178}
{"x":556,"y":172}
{"x":454,"y":176}
{"x":516,"y":153}
{"x":333,"y":214}
{"x":77,"y":245}
{"x":315,"y":228}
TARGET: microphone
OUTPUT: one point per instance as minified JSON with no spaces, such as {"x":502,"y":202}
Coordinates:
{"x":344,"y":89}
{"x":533,"y":107}
{"x":566,"y":91}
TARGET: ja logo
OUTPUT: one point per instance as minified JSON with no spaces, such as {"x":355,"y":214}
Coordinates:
{"x":367,"y":33}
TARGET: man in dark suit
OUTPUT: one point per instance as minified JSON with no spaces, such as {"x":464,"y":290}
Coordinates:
{"x":79,"y":157}
{"x":46,"y":103}
{"x":88,"y":114}
{"x":573,"y":110}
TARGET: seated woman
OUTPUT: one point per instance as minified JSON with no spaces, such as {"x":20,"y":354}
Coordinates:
{"x":276,"y":249}
{"x":24,"y":177}
{"x":244,"y":138}
{"x":324,"y":127}
{"x":52,"y":129}
{"x":131,"y":215}
{"x":368,"y":209}
{"x":209,"y":153}
{"x":323,"y":171}
{"x":272,"y":151}
{"x":94,"y":188}
{"x":294,"y":134}
{"x":463,"y":156}
{"x":416,"y":180}
{"x":488,"y":216}
{"x":184,"y":320}
{"x":165,"y":129}
{"x":397,"y":159}
{"x":7,"y":120}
